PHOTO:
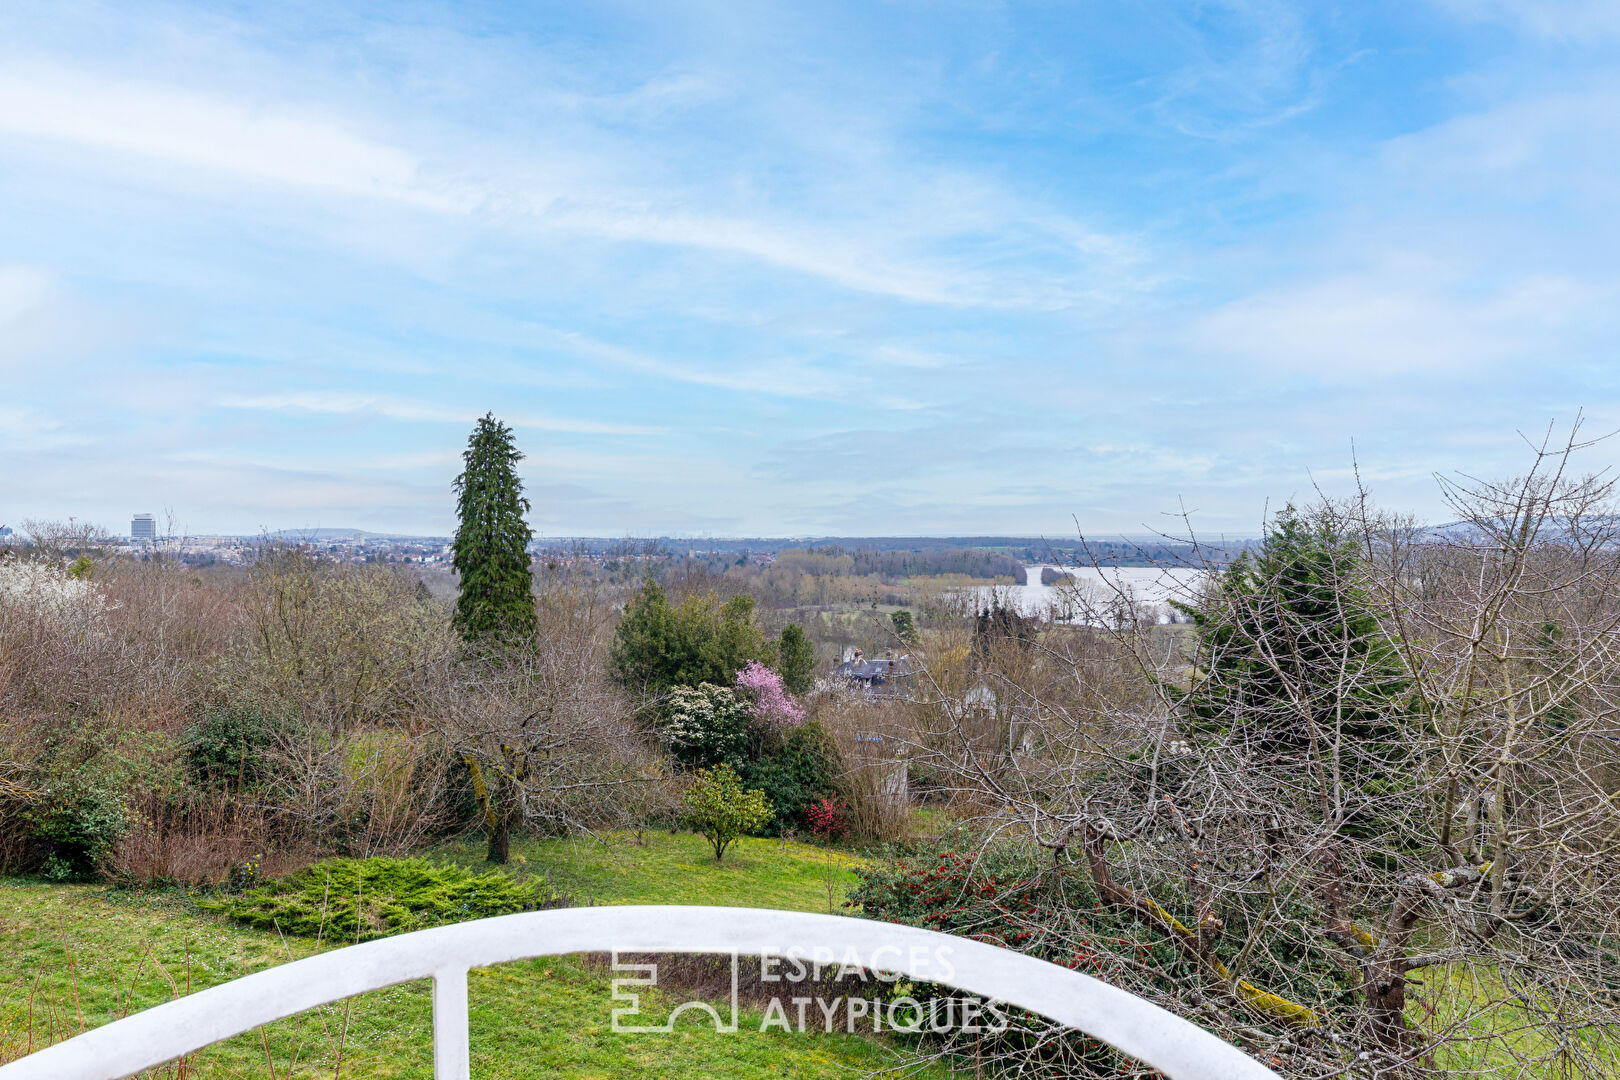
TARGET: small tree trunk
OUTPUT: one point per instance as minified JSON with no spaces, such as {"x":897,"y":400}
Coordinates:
{"x":1385,"y":970}
{"x":500,"y":843}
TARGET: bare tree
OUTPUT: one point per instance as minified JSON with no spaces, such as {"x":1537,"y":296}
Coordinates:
{"x":546,"y":740}
{"x":1366,"y":800}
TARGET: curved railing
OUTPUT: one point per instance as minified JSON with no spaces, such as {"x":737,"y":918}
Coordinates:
{"x":1139,"y":1028}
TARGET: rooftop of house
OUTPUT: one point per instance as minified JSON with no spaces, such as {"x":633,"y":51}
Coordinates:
{"x":888,"y":666}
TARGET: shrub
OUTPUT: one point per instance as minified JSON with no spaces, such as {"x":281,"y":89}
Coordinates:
{"x":1006,"y":895}
{"x":190,"y":841}
{"x":41,"y":599}
{"x":770,"y":705}
{"x":78,"y":819}
{"x":872,"y":767}
{"x":827,"y":818}
{"x":707,"y":725}
{"x":718,"y":807}
{"x":362,"y":899}
{"x":339,"y":645}
{"x":798,"y":769}
{"x":703,"y":639}
{"x":229,"y":745}
{"x":999,"y":897}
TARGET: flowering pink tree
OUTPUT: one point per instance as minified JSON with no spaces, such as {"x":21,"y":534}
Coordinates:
{"x":773,"y":706}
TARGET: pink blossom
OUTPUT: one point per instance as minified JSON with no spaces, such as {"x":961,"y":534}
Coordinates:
{"x":772,"y":705}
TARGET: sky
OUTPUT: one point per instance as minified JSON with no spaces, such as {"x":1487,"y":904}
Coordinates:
{"x":875,"y":268}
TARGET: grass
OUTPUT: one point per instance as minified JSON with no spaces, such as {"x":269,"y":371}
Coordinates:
{"x":1490,"y":1034}
{"x":75,"y":956}
{"x":680,"y":869}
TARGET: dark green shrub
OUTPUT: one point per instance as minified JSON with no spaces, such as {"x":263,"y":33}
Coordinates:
{"x":703,"y":639}
{"x":362,"y":899}
{"x":229,"y":745}
{"x":801,"y":768}
{"x":77,"y":822}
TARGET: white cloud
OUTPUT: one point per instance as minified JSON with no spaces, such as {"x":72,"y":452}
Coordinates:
{"x":22,"y":289}
{"x":855,"y":265}
{"x":263,"y":141}
{"x":1394,"y":320}
{"x":395,"y":408}
{"x":565,"y":179}
{"x":1557,"y":144}
{"x":1570,"y":21}
{"x":25,"y":428}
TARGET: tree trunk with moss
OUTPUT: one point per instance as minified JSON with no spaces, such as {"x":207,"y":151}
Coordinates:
{"x":494,"y":811}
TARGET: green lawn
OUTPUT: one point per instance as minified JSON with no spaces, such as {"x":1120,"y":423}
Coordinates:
{"x":1489,"y":1034}
{"x":680,"y":869}
{"x":75,"y":956}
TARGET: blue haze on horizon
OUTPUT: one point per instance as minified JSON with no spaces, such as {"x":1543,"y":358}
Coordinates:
{"x":884,"y":268}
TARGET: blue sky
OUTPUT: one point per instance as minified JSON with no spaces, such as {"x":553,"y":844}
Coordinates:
{"x":760,"y":269}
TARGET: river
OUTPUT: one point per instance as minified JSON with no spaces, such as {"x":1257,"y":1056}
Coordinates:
{"x":1097,"y":590}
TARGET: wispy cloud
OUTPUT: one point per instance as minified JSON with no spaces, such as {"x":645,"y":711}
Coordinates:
{"x":961,"y":269}
{"x":1568,"y":21}
{"x":22,"y":289}
{"x":270,"y":142}
{"x":394,"y":408}
{"x":1398,"y":321}
{"x":264,"y":141}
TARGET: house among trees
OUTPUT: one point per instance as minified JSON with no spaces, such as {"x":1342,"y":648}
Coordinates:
{"x":889,"y":677}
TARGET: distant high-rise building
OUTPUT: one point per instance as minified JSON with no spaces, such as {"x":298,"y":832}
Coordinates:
{"x":143,"y":527}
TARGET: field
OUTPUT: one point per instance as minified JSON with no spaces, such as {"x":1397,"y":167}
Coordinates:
{"x":76,"y":956}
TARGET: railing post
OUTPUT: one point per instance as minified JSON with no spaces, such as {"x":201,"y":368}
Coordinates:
{"x":451,"y":1056}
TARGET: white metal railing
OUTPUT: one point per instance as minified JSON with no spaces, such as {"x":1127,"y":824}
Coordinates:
{"x":1137,"y":1027}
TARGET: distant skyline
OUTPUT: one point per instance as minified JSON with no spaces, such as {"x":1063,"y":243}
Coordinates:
{"x":852,"y":269}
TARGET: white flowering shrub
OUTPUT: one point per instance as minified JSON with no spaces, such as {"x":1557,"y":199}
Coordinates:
{"x":41,"y":600}
{"x":707,"y":725}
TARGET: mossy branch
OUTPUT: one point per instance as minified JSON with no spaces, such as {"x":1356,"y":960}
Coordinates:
{"x":1148,"y":910}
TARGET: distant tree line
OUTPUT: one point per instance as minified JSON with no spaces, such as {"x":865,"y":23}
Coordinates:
{"x":893,"y":565}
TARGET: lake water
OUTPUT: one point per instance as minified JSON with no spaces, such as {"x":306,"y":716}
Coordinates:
{"x":1095,"y":590}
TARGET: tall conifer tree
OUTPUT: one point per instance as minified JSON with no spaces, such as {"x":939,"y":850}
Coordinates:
{"x":491,"y":544}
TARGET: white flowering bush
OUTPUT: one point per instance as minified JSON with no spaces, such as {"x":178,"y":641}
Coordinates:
{"x":40,"y":600}
{"x":707,"y":725}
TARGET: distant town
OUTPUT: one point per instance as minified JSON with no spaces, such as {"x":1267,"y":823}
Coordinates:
{"x":148,"y":537}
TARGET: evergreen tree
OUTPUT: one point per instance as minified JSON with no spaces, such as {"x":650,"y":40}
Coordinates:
{"x":1289,"y":641}
{"x":1293,"y":665}
{"x":904,"y":627}
{"x":796,"y":659}
{"x":491,"y":543}
{"x":644,"y":643}
{"x":703,"y":639}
